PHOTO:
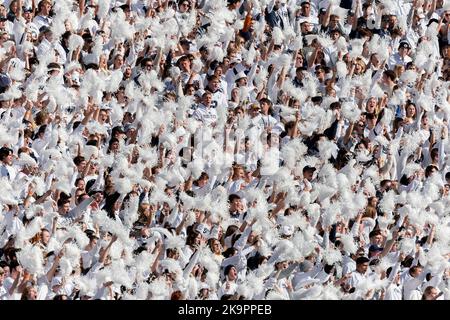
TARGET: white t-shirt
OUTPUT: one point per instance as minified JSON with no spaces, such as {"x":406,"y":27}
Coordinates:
{"x":3,"y":293}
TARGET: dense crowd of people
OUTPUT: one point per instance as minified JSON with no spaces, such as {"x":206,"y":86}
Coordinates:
{"x":224,"y":149}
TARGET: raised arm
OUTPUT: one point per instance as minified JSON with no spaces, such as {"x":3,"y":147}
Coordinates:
{"x":105,"y":252}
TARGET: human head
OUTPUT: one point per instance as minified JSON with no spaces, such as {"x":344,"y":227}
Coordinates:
{"x":6,"y":155}
{"x":230,"y":272}
{"x":430,"y":293}
{"x":44,"y":7}
{"x":404,"y":48}
{"x":235,"y":202}
{"x":362,"y":264}
{"x":308,"y":172}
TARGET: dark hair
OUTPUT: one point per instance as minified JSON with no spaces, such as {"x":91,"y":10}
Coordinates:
{"x":4,"y":152}
{"x":92,"y":143}
{"x":78,"y":159}
{"x":361,"y":260}
{"x":414,"y":268}
{"x":384,"y":182}
{"x":266,"y":100}
{"x":374,"y":233}
{"x":177,"y":295}
{"x":229,"y":252}
{"x":232,"y":197}
{"x":335,"y":105}
{"x":191,"y":237}
{"x":447,"y":175}
{"x":429,"y":169}
{"x":427,"y":291}
{"x":110,"y":200}
{"x":390,"y":74}
{"x":13,"y":265}
{"x":230,"y":230}
{"x":63,"y":201}
{"x":113,"y":140}
{"x":228,"y":268}
{"x":144,"y":61}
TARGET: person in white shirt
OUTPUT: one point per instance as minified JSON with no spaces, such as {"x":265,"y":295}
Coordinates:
{"x":401,"y":57}
{"x":360,"y":274}
{"x":25,"y":23}
{"x":266,"y":120}
{"x":431,"y":293}
{"x":412,"y":279}
{"x":12,"y":282}
{"x":219,"y":97}
{"x":205,"y":112}
{"x":43,"y":18}
{"x":3,"y":291}
{"x":49,"y":46}
{"x":305,"y":13}
{"x":229,"y":286}
{"x":189,"y":76}
{"x":6,"y":168}
{"x":90,"y":254}
{"x":6,"y":25}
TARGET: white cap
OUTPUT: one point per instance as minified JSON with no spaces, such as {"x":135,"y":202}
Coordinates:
{"x":287,"y":230}
{"x":203,"y":229}
{"x":240,"y":75}
{"x":56,"y":281}
{"x":419,"y":13}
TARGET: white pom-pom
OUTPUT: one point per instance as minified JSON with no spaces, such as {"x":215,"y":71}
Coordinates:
{"x":377,"y":92}
{"x":174,"y":72}
{"x":409,"y":76}
{"x":197,"y":65}
{"x":297,"y":43}
{"x":387,"y":204}
{"x":196,"y":167}
{"x":327,"y":149}
{"x":285,"y":60}
{"x":341,"y":69}
{"x":351,"y":112}
{"x":31,"y":259}
{"x":123,"y":186}
{"x":348,"y":243}
{"x":113,"y":81}
{"x":75,"y":42}
{"x":331,"y":256}
{"x":277,"y":36}
{"x":425,"y":102}
{"x":216,"y":54}
{"x":26,"y":160}
{"x":90,"y":151}
{"x":103,"y":8}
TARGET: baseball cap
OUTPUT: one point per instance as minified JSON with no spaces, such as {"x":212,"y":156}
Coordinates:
{"x":375,"y":248}
{"x":5,"y":81}
{"x":203,"y":229}
{"x":404,"y":44}
{"x":240,"y":75}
